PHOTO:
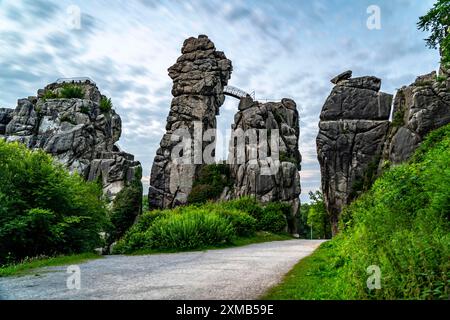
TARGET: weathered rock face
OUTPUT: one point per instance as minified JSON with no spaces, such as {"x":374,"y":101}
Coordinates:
{"x":5,"y":118}
{"x":418,"y":109}
{"x":199,"y":77}
{"x":257,"y":175}
{"x":76,"y":132}
{"x":353,"y":125}
{"x":356,"y":142}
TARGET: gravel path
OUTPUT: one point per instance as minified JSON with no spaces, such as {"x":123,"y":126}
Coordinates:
{"x":234,"y":273}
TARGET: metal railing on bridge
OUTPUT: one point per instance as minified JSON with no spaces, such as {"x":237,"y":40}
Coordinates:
{"x":237,"y":93}
{"x":75,"y":79}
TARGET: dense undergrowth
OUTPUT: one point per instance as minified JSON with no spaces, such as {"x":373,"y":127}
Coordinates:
{"x":45,"y":210}
{"x":400,"y":225}
{"x":203,"y":225}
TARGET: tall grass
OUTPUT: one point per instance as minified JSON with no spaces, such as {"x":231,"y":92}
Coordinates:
{"x":401,"y":225}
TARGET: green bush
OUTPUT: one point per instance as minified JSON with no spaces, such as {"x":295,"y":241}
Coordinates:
{"x":169,"y":229}
{"x":127,"y":205}
{"x":105,"y":104}
{"x":244,"y":224}
{"x":71,"y":91}
{"x":48,"y":94}
{"x":400,"y":225}
{"x":246,"y":204}
{"x":43,"y":208}
{"x":274,"y":217}
{"x":210,"y":183}
{"x":190,"y":230}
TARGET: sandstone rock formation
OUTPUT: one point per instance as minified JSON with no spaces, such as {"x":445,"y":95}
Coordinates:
{"x":199,"y":76}
{"x":259,"y":175}
{"x":418,"y":109}
{"x":76,"y":132}
{"x":356,"y":142}
{"x":353,"y":125}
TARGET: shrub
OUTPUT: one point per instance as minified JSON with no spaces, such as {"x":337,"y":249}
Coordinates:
{"x":274,"y":216}
{"x":105,"y":104}
{"x":71,"y":91}
{"x":246,"y":204}
{"x":48,"y":94}
{"x":191,"y":230}
{"x":398,"y":119}
{"x":244,"y":224}
{"x":210,"y":183}
{"x":43,"y":208}
{"x":127,"y":205}
{"x":402,"y":226}
{"x":202,"y":193}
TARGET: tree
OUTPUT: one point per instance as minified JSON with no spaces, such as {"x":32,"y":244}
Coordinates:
{"x":437,"y":21}
{"x":314,"y":215}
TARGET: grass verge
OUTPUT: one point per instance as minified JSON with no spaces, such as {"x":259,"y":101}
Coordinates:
{"x":311,"y":279}
{"x":28,"y":266}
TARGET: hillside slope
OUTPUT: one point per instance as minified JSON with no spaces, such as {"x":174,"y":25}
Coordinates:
{"x":401,"y":226}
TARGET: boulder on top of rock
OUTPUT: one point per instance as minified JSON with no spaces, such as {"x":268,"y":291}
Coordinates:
{"x":343,"y":76}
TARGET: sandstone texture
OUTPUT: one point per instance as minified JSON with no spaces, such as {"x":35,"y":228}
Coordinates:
{"x":418,"y":109}
{"x":258,"y":174}
{"x":199,"y":76}
{"x":356,"y":140}
{"x":352,"y":128}
{"x":76,"y":132}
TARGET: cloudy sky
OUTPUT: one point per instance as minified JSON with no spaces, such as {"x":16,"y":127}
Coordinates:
{"x":278,"y":48}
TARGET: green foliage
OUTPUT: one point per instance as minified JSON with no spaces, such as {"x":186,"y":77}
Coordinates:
{"x":365,"y":182}
{"x":48,"y":94}
{"x":28,"y":265}
{"x":71,"y":91}
{"x":85,"y":109}
{"x":284,"y":157}
{"x":437,"y":21}
{"x":190,"y":230}
{"x":173,"y":230}
{"x":273,"y":218}
{"x":441,"y":78}
{"x":313,"y":278}
{"x":44,"y":209}
{"x":401,"y":225}
{"x":105,"y":104}
{"x":315,"y":216}
{"x":398,"y":119}
{"x":145,"y":207}
{"x":126,"y":207}
{"x":243,"y":224}
{"x":210,"y":183}
{"x":246,"y":204}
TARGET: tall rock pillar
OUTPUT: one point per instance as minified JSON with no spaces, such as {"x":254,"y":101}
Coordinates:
{"x":353,"y":126}
{"x":199,"y":77}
